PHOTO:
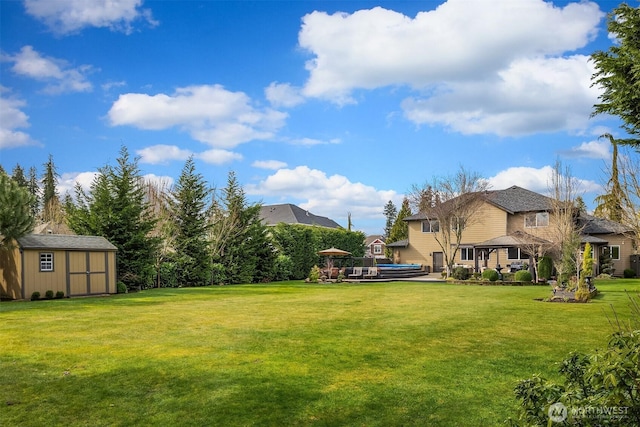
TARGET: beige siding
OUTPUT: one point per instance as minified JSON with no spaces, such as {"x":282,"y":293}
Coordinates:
{"x":42,"y":281}
{"x":626,"y":250}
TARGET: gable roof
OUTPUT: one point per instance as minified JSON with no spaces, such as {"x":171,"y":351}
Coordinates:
{"x":512,"y":200}
{"x":373,"y":238}
{"x":517,"y":199}
{"x":65,"y":242}
{"x":292,"y":214}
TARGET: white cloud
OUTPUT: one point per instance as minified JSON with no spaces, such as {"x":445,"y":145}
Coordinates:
{"x":57,"y":73}
{"x":536,"y":179}
{"x":481,"y":66}
{"x":332,"y":196}
{"x":209,"y":113}
{"x":591,"y":150}
{"x":162,"y":181}
{"x":162,"y":154}
{"x":70,"y":16}
{"x":217,"y":156}
{"x":110,"y":85}
{"x":531,"y":95}
{"x":269,"y":164}
{"x":13,"y":118}
{"x":313,"y":141}
{"x":68,"y":180}
{"x":283,"y":95}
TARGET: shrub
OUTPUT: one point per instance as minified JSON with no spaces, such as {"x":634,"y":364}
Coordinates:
{"x":122,"y":288}
{"x":283,"y":267}
{"x":523,"y":276}
{"x":48,"y":294}
{"x":490,"y":274}
{"x":460,"y":273}
{"x":545,"y":268}
{"x":59,"y":295}
{"x":35,"y":296}
{"x":314,"y":274}
{"x":629,"y":273}
{"x":218,"y":274}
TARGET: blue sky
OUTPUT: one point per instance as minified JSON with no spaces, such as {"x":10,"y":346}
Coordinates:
{"x":336,"y":106}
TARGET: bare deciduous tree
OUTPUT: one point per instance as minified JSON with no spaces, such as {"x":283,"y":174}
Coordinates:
{"x":453,"y":203}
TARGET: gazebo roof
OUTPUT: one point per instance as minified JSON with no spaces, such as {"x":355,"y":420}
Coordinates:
{"x":515,"y":239}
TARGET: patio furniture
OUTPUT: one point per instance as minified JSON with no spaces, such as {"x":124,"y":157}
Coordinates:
{"x":371,"y":273}
{"x":356,"y":273}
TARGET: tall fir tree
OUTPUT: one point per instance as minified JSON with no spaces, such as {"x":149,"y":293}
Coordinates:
{"x":390,"y":213}
{"x":18,"y":176}
{"x":116,"y":209}
{"x":34,"y":188}
{"x":51,"y":206}
{"x":400,"y":229}
{"x":189,"y":213}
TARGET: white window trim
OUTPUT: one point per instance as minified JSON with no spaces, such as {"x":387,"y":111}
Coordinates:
{"x":537,"y":216}
{"x":46,"y":264}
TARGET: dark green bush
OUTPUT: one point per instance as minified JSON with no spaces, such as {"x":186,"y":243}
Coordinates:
{"x":122,"y":288}
{"x":545,"y":268}
{"x":59,"y":295}
{"x":48,"y":294}
{"x":283,"y":268}
{"x":490,"y":274}
{"x":218,"y":274}
{"x":35,"y":296}
{"x":523,"y":276}
{"x":460,"y":273}
{"x":628,"y":273}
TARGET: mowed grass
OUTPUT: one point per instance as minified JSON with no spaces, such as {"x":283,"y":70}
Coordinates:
{"x":384,"y":354}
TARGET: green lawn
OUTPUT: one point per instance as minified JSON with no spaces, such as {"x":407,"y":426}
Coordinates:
{"x":289,"y":354}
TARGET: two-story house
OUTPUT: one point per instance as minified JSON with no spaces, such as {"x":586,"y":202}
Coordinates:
{"x":496,"y":236}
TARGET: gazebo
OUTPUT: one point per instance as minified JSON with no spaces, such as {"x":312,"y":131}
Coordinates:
{"x":517,"y":239}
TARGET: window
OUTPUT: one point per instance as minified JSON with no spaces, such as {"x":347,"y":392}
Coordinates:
{"x":612,"y":251}
{"x":516,"y":253}
{"x":466,"y":254}
{"x":377,"y":249}
{"x":539,"y":219}
{"x":46,"y":261}
{"x":431,"y":226}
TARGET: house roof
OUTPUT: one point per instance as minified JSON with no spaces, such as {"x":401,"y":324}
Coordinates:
{"x":65,"y":242}
{"x":292,"y":214}
{"x":373,"y":238}
{"x":512,"y":200}
{"x":595,"y":225}
{"x":515,"y":239}
{"x":399,"y":244}
{"x":517,"y":199}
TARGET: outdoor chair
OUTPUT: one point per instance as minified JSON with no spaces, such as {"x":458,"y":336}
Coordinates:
{"x":372,"y":272}
{"x":357,"y":272}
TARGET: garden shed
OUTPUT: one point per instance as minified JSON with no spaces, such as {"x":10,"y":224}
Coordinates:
{"x":75,"y":265}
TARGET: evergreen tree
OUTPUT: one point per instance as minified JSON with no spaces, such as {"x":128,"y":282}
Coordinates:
{"x":390,"y":213}
{"x":617,"y":71}
{"x":51,"y":206}
{"x":239,"y":236}
{"x":15,"y":213}
{"x":400,"y":229}
{"x":34,"y":189}
{"x":116,"y":209}
{"x":189,"y":213}
{"x":18,"y":176}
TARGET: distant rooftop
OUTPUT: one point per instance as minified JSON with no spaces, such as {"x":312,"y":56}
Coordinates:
{"x":291,"y":214}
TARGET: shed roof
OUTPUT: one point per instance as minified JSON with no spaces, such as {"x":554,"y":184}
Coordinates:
{"x":292,"y":214}
{"x":65,"y":242}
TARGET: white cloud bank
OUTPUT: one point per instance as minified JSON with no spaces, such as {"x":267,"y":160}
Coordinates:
{"x":480,"y":66}
{"x":208,"y":113}
{"x":57,"y":73}
{"x":13,"y":119}
{"x":70,"y":16}
{"x":332,"y":196}
{"x":536,"y":179}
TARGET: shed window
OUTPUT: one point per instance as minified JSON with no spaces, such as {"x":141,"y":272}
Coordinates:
{"x":46,"y":261}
